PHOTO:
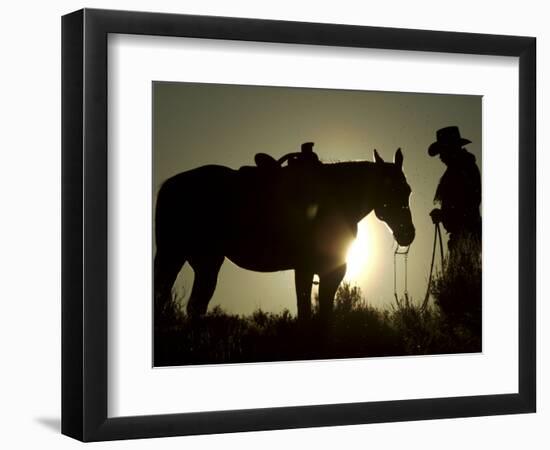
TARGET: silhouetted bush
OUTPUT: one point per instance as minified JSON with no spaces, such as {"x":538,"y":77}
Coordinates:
{"x":457,"y":291}
{"x":357,"y":330}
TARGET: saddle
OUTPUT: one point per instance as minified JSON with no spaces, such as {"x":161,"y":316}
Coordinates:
{"x":267,"y":162}
{"x":270,"y":177}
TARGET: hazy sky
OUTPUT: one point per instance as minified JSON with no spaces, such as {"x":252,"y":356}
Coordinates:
{"x":198,"y":124}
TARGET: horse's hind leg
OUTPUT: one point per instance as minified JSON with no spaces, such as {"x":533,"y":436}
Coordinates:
{"x":206,"y":276}
{"x":166,"y":268}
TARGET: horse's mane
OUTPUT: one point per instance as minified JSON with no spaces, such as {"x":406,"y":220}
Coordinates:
{"x":348,"y":169}
{"x":337,"y":162}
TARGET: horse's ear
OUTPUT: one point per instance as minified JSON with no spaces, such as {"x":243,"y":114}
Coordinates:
{"x":398,"y":159}
{"x":377,"y":157}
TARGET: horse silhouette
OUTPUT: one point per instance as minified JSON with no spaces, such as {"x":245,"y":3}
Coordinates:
{"x":300,"y":218}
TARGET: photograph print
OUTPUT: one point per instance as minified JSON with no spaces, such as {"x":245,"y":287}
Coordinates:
{"x":308,"y":224}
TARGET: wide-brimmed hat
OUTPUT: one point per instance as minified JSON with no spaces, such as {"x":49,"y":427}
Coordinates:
{"x":448,"y":137}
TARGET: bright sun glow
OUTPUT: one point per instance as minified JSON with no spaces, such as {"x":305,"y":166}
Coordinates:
{"x":359,"y":254}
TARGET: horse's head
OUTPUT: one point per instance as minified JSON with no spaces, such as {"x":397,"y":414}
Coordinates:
{"x":392,"y":206}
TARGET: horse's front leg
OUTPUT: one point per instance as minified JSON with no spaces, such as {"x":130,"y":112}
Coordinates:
{"x":303,"y":280}
{"x":328,"y":284}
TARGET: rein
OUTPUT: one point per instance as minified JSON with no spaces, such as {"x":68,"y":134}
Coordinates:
{"x":437,"y":237}
{"x":405,"y":253}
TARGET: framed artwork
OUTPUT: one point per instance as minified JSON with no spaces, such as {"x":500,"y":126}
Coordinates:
{"x":273,"y":224}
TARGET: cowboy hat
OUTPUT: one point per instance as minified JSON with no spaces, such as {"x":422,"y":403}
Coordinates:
{"x":447,"y":138}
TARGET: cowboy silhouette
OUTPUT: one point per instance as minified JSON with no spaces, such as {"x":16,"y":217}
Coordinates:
{"x":459,"y":191}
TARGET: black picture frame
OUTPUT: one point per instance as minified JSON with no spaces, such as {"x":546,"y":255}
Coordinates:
{"x":84,"y":224}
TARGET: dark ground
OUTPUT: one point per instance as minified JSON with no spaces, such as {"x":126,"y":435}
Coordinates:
{"x":451,"y":324}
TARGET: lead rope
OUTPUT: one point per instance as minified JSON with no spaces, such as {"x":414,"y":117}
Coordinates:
{"x":437,"y":234}
{"x":405,"y":254}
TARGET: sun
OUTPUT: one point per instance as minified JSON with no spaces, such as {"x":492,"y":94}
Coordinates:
{"x":359,"y":254}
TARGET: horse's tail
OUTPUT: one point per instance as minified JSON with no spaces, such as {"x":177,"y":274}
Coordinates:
{"x":162,"y":214}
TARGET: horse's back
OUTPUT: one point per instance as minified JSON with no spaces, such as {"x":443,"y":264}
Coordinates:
{"x":203,"y":177}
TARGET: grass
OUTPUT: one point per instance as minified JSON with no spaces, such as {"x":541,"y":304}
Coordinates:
{"x":451,"y":325}
{"x":457,"y":290}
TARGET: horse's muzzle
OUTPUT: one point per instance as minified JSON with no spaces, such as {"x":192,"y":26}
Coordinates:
{"x":405,"y":237}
